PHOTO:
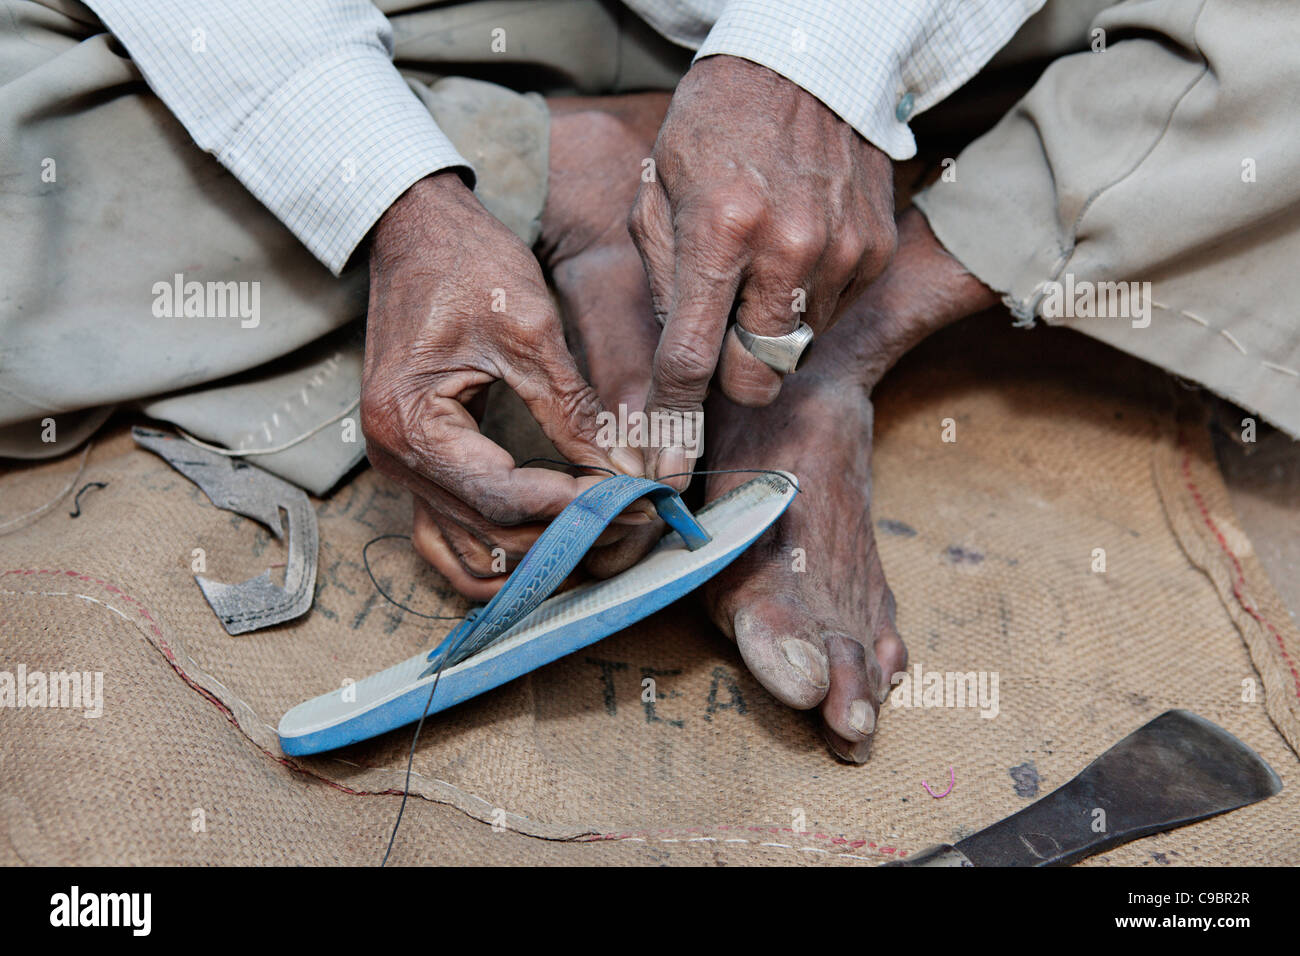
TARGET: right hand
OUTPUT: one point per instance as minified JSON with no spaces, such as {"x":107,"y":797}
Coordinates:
{"x":456,"y":302}
{"x":765,"y":203}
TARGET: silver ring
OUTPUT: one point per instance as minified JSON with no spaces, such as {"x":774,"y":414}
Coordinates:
{"x":782,"y":353}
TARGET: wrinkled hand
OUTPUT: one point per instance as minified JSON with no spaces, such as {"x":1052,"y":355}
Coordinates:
{"x":763,"y":200}
{"x":434,"y":343}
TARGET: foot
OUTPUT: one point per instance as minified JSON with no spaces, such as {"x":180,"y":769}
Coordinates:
{"x":598,"y":145}
{"x":808,"y":604}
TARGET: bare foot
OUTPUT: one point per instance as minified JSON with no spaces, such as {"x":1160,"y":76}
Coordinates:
{"x":598,"y":145}
{"x":819,"y":631}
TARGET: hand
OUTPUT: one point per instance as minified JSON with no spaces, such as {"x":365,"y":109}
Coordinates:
{"x":762,"y":197}
{"x":457,"y":302}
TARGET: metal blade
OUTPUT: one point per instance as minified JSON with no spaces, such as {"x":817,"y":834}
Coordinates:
{"x":1175,"y":770}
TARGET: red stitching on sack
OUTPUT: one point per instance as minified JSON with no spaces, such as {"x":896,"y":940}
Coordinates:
{"x":286,"y":762}
{"x":207,"y":695}
{"x":1238,"y":585}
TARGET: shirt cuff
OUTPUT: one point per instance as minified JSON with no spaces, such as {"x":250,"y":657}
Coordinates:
{"x":876,"y":65}
{"x":332,"y":148}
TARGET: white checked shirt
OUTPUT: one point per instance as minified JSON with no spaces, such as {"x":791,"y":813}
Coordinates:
{"x":299,"y":99}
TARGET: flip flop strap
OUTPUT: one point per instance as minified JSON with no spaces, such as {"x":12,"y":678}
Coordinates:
{"x":556,"y":553}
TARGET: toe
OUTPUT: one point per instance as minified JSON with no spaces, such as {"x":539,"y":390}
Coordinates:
{"x":783,"y":651}
{"x":852,"y":703}
{"x":891,"y":652}
{"x":847,"y":750}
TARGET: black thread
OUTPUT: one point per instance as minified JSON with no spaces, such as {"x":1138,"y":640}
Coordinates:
{"x":76,"y":500}
{"x":365,"y":558}
{"x":568,"y":464}
{"x":736,"y":471}
{"x":410,"y":759}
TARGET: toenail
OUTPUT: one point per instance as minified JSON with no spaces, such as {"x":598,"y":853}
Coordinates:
{"x":849,"y":752}
{"x":861,"y":717}
{"x":807,"y":660}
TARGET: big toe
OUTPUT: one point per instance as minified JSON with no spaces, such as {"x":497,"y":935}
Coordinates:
{"x":782,"y":650}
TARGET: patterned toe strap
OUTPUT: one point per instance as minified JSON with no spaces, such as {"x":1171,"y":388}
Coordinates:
{"x":555,"y":554}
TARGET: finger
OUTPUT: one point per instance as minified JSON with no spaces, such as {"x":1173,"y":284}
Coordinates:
{"x":782,"y":284}
{"x":688,"y":352}
{"x":785,"y":286}
{"x":439,"y":446}
{"x":650,"y":224}
{"x":428,"y":540}
{"x":854,"y":259}
{"x":515,"y":540}
{"x":607,"y":559}
{"x":744,"y":378}
{"x":481,"y":558}
{"x":431,"y":543}
{"x":487,"y":551}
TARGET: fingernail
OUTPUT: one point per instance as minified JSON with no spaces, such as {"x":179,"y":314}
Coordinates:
{"x":861,"y":717}
{"x":672,"y":461}
{"x":627,"y":461}
{"x":807,"y":660}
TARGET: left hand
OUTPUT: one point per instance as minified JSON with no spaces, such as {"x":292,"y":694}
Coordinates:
{"x":456,"y":303}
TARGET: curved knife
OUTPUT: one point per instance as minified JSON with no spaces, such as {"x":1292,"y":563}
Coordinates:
{"x":1175,"y":770}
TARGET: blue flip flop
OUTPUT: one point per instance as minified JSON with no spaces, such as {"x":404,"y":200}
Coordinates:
{"x":523,"y":627}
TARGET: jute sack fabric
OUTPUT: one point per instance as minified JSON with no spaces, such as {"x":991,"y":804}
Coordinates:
{"x":1062,"y":447}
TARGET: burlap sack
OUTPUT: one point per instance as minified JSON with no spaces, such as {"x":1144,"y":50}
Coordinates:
{"x":1062,"y":447}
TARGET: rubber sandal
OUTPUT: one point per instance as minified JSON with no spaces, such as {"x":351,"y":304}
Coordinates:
{"x":523,"y":627}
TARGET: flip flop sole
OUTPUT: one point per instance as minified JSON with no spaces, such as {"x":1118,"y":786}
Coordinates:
{"x":559,"y":626}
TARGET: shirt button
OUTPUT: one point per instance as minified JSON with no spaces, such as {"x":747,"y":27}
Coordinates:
{"x":905,"y":106}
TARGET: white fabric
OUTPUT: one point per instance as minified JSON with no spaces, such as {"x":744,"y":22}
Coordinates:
{"x":862,"y":58}
{"x":299,"y":99}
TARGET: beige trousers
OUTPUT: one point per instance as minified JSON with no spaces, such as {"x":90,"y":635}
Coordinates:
{"x":105,"y":195}
{"x":1162,"y":169}
{"x":1168,"y":158}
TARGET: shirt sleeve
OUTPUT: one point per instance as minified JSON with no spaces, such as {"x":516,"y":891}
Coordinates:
{"x":875,"y":63}
{"x":299,"y":99}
